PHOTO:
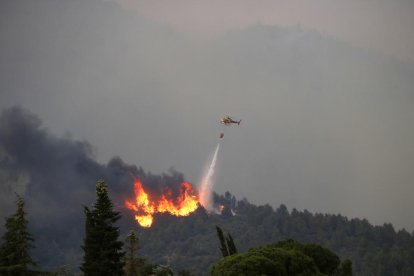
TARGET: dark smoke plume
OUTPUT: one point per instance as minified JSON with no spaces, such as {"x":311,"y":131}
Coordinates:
{"x":57,"y":176}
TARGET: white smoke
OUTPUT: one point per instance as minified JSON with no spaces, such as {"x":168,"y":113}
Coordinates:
{"x":206,"y":187}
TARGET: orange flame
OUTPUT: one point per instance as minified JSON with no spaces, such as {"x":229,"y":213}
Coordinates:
{"x":145,"y":206}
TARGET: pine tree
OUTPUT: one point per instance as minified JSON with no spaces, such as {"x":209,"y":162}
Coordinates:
{"x":103,"y":252}
{"x":14,"y":252}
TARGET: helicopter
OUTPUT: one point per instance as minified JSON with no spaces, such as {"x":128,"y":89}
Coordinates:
{"x":227,"y":120}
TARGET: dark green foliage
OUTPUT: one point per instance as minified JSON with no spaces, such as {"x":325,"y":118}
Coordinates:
{"x":141,"y":267}
{"x":292,"y":261}
{"x":276,"y":259}
{"x":247,"y":264}
{"x":134,"y":265}
{"x":230,"y":245}
{"x":189,"y":242}
{"x":17,"y":241}
{"x":132,"y":246}
{"x":345,"y":269}
{"x":326,"y":261}
{"x":223,"y":245}
{"x":160,"y":270}
{"x":102,"y":250}
{"x":227,"y":246}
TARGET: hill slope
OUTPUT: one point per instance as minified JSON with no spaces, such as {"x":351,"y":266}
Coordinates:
{"x":190,"y":242}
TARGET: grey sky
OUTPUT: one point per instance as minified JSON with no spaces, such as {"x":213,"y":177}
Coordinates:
{"x":326,"y":126}
{"x":380,"y":25}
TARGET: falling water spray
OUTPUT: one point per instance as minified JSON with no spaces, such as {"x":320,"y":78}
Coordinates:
{"x":206,"y":187}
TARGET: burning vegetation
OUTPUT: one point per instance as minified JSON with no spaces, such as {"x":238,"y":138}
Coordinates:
{"x":145,"y":204}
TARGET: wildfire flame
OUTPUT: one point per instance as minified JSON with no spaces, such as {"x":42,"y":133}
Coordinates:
{"x":145,"y":206}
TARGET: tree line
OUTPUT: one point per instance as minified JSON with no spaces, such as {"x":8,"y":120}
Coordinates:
{"x":272,"y":239}
{"x":104,"y":255}
{"x":103,"y":249}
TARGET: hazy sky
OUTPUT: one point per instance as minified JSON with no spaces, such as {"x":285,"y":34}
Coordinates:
{"x":380,"y":25}
{"x":324,"y":88}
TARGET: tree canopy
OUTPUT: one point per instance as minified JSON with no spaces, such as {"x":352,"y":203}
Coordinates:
{"x":284,"y":258}
{"x":17,"y":241}
{"x":103,"y":253}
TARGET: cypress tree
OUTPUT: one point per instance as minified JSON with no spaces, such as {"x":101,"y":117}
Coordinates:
{"x":230,"y":245}
{"x":227,"y":246}
{"x":223,"y":247}
{"x":132,"y":246}
{"x":102,"y":250}
{"x":14,"y":252}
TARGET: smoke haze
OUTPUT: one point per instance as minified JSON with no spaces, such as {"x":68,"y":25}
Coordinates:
{"x":326,"y":126}
{"x":57,"y":176}
{"x":378,"y":25}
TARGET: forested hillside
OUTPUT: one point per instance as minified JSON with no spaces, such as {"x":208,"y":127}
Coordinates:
{"x":190,"y":243}
{"x":62,"y":174}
